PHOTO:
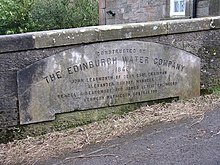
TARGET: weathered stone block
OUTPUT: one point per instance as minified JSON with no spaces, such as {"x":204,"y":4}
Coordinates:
{"x":202,"y":12}
{"x":105,"y":74}
{"x":132,"y":30}
{"x":102,"y":4}
{"x":21,"y":42}
{"x":8,"y":117}
{"x":203,"y":43}
{"x":215,"y":22}
{"x":187,"y":25}
{"x":65,"y":37}
{"x":214,"y":8}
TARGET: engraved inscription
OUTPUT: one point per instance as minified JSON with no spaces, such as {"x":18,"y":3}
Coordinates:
{"x":105,"y":74}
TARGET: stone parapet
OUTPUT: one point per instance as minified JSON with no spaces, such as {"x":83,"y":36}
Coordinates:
{"x":200,"y":36}
{"x":65,"y":37}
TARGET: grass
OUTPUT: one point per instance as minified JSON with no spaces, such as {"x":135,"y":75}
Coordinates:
{"x":216,"y":90}
{"x":37,"y":149}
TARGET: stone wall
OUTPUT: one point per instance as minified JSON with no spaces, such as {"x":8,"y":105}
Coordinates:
{"x":203,"y":8}
{"x":199,"y":36}
{"x":133,"y":11}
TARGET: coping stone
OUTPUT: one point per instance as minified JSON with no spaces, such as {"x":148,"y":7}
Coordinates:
{"x":64,"y":37}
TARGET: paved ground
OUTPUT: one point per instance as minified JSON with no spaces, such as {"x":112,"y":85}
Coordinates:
{"x":187,"y":142}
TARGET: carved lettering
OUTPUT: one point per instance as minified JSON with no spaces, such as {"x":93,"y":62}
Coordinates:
{"x":105,"y":74}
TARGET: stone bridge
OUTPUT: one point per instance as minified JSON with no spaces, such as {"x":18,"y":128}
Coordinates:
{"x":200,"y":36}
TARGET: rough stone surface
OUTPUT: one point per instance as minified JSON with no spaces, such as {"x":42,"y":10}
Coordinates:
{"x":98,"y":33}
{"x":180,"y":26}
{"x":214,"y":7}
{"x":105,"y":74}
{"x":215,"y":23}
{"x":65,"y":37}
{"x":134,"y":11}
{"x":10,"y":63}
{"x":203,"y":8}
{"x":20,"y":42}
{"x":203,"y":43}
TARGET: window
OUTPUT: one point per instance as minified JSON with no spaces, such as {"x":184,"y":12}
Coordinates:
{"x":177,"y":8}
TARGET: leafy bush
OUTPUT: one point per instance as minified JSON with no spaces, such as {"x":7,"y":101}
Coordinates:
{"x":17,"y":16}
{"x":14,"y":15}
{"x":216,"y":90}
{"x":60,"y":14}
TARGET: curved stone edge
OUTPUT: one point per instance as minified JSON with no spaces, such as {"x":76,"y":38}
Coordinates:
{"x":64,"y":37}
{"x":45,"y":114}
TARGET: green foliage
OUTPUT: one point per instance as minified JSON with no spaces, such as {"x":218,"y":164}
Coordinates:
{"x":216,"y":90}
{"x":18,"y":16}
{"x":14,"y":15}
{"x":213,"y":90}
{"x":60,"y":14}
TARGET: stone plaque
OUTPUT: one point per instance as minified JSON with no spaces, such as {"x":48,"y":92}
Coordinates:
{"x":105,"y":74}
